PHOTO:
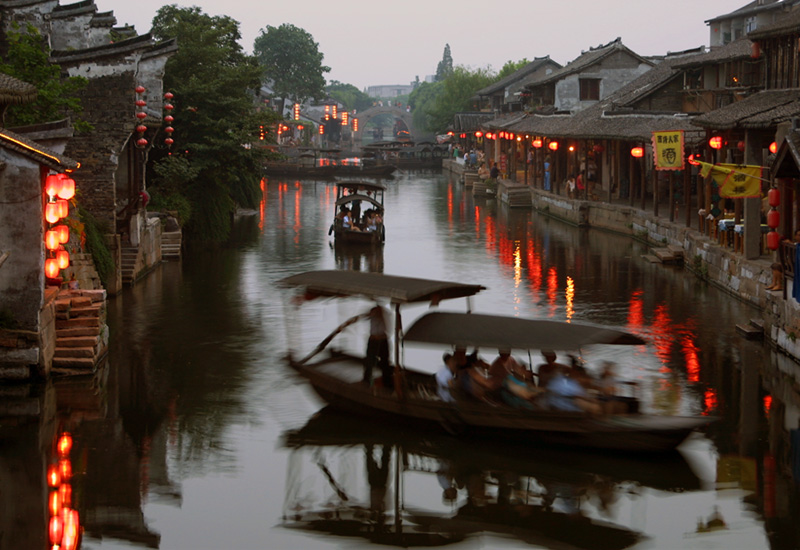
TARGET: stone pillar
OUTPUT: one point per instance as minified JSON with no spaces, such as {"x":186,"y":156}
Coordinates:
{"x":752,"y":211}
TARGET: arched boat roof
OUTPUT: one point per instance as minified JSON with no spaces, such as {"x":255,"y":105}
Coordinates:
{"x":511,"y":333}
{"x":367,"y":186}
{"x":400,"y":290}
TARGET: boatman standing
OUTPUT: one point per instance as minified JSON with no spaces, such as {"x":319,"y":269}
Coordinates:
{"x":378,"y":348}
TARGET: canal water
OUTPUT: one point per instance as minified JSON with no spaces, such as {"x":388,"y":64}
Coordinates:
{"x":196,"y":435}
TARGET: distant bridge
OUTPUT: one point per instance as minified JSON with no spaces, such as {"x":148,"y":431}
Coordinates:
{"x":397,"y":112}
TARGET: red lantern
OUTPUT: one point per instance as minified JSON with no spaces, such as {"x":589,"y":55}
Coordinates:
{"x":141,"y":103}
{"x":715,"y":142}
{"x":65,"y":467}
{"x":774,"y":197}
{"x":71,"y":531}
{"x":62,"y":257}
{"x":510,"y":135}
{"x":54,"y":503}
{"x":141,"y":115}
{"x":755,"y":50}
{"x":169,"y":129}
{"x":63,"y":233}
{"x":168,"y":95}
{"x":168,"y":119}
{"x":64,"y":444}
{"x":51,"y":241}
{"x":63,"y":208}
{"x":65,"y":492}
{"x":51,"y":212}
{"x":773,"y":240}
{"x":553,"y":145}
{"x":773,"y":218}
{"x":67,"y":190}
{"x":56,"y":530}
{"x":140,"y":89}
{"x":141,"y":128}
{"x":52,"y":185}
{"x":637,"y":152}
{"x":169,"y":141}
{"x":141,"y":142}
{"x":169,"y":106}
{"x":740,"y":145}
{"x":53,"y":473}
{"x":51,"y":270}
{"x":537,"y":143}
{"x":773,"y":147}
{"x":478,"y":134}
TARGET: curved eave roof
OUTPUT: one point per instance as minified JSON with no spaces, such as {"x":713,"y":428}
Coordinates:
{"x":35,"y":151}
{"x":762,"y":110}
{"x":15,"y":91}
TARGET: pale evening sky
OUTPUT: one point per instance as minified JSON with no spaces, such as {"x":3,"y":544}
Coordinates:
{"x":374,"y":43}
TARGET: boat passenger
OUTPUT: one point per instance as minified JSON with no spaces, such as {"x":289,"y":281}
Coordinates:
{"x":567,"y":394}
{"x":347,"y":221}
{"x":446,"y":378}
{"x":369,"y":220}
{"x":547,"y":369}
{"x":609,"y":393}
{"x":517,"y":389}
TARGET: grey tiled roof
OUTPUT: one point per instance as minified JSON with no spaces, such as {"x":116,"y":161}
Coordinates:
{"x":738,"y":49}
{"x":15,"y":91}
{"x":517,"y":75}
{"x":34,"y":151}
{"x":788,"y":23}
{"x":761,"y":110}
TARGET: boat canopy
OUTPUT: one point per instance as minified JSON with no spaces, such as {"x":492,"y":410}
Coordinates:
{"x":400,"y":290}
{"x":510,"y":333}
{"x":361,"y":185}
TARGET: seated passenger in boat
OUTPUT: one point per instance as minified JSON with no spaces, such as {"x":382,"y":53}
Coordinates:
{"x":546,"y":370}
{"x":517,"y":388}
{"x":370,"y":223}
{"x":446,"y":378}
{"x":474,"y":377}
{"x":567,"y":394}
{"x":347,"y":221}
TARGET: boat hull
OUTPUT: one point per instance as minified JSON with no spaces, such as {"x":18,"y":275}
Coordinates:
{"x":336,"y":382}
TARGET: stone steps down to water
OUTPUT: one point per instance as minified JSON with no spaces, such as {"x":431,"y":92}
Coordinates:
{"x":754,"y":330}
{"x":81,"y":341}
{"x":666,"y":255}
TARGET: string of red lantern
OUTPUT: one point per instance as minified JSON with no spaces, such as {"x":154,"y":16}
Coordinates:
{"x":773,"y":218}
{"x":64,"y":529}
{"x":59,"y":189}
{"x":168,"y":118}
{"x":140,"y":103}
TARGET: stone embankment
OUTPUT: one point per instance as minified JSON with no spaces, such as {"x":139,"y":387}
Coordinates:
{"x":745,"y":279}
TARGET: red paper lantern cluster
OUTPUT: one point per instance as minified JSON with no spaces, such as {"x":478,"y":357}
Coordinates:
{"x":168,"y":118}
{"x":64,"y":528}
{"x":773,"y":218}
{"x":140,"y":103}
{"x":59,"y":189}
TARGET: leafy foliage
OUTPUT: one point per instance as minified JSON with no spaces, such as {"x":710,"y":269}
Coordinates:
{"x":511,"y":67}
{"x":292,"y":61}
{"x":348,"y":95}
{"x":27,"y":60}
{"x":95,"y":243}
{"x":216,"y":115}
{"x":445,"y":67}
{"x":436,"y":104}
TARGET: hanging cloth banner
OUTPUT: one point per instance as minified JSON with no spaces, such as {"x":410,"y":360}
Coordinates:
{"x":736,"y":181}
{"x":668,"y":150}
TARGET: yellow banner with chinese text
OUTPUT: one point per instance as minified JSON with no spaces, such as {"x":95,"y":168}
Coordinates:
{"x":668,"y":149}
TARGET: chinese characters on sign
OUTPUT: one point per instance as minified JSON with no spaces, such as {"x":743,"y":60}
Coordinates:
{"x":668,"y":150}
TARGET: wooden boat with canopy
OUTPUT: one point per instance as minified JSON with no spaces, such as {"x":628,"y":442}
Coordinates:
{"x":336,"y":375}
{"x":363,"y":196}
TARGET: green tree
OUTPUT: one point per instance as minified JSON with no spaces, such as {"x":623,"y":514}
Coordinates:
{"x":212,"y":168}
{"x":440,"y":101}
{"x":27,"y":60}
{"x":348,"y":95}
{"x":511,"y":67}
{"x":445,"y":66}
{"x":292,"y":62}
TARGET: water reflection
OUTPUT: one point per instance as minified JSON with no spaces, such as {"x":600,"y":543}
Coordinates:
{"x":445,"y":490}
{"x":194,"y":396}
